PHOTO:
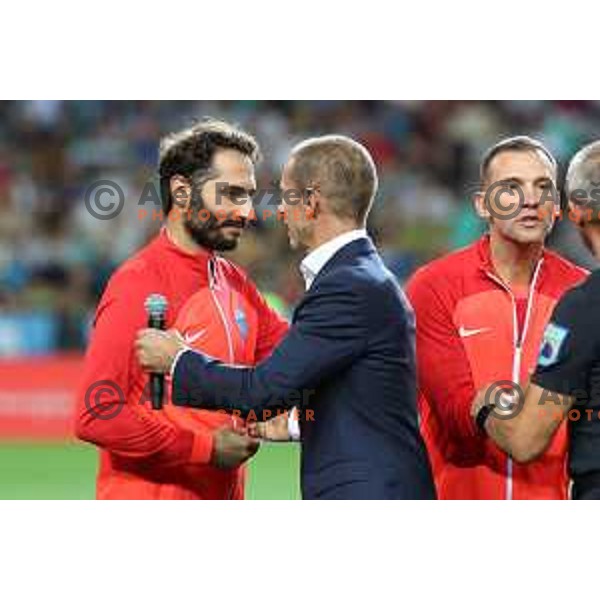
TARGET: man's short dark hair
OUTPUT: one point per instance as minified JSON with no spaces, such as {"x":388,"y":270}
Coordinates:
{"x":344,"y":170}
{"x":190,"y":152}
{"x":519,"y":143}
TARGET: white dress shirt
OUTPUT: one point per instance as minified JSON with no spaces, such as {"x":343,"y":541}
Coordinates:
{"x":310,"y":267}
{"x":319,"y":257}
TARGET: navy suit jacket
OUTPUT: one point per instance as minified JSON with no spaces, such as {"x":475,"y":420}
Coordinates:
{"x":348,"y":363}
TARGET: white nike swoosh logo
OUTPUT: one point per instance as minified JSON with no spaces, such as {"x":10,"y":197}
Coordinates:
{"x":190,"y":339}
{"x":469,"y":332}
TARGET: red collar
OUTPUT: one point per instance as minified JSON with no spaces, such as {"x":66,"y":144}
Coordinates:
{"x":201,"y":254}
{"x":196,"y":260}
{"x":484,"y":253}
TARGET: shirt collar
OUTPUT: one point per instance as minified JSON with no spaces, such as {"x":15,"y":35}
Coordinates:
{"x":313,"y":262}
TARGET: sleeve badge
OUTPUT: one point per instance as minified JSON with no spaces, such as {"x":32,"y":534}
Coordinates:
{"x":552,"y":342}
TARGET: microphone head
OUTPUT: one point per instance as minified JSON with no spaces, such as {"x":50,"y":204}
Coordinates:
{"x":156,"y":306}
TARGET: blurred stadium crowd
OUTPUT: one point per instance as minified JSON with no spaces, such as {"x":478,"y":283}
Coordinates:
{"x":55,"y":257}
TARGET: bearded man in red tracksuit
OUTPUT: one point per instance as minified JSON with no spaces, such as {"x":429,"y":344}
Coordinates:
{"x":206,"y":180}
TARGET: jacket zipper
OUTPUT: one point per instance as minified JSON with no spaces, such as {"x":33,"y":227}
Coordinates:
{"x":518,"y":350}
{"x":212,"y":284}
{"x":212,"y":276}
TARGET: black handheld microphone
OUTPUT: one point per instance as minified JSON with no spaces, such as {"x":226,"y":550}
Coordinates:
{"x":156,"y":307}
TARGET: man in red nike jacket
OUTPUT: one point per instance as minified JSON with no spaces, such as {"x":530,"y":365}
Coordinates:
{"x":481,"y":313}
{"x":206,"y":172}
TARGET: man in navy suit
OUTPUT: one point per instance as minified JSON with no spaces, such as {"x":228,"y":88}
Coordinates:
{"x":348,"y":360}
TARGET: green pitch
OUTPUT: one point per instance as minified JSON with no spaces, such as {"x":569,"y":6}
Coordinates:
{"x":31,"y":470}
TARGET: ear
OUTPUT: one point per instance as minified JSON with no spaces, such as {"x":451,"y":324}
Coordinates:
{"x":480,"y":206}
{"x":181,"y":191}
{"x":312,"y":202}
{"x":576,"y":214}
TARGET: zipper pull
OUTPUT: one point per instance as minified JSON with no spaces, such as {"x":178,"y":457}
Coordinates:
{"x":518,"y":357}
{"x":211,"y":273}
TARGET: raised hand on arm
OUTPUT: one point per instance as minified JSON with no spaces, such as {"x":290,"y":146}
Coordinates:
{"x":568,"y":352}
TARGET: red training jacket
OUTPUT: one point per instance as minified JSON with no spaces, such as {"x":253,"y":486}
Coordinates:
{"x":472,"y":329}
{"x":148,"y":454}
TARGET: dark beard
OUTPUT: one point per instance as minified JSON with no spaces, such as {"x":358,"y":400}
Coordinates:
{"x":208,"y":232}
{"x":209,"y":236}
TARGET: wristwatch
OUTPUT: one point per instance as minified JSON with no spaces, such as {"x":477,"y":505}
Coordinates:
{"x":482,"y":416}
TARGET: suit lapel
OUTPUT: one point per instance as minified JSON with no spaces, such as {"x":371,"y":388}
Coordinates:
{"x":344,"y":255}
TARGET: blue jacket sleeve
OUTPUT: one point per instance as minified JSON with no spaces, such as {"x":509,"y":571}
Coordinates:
{"x":328,"y":335}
